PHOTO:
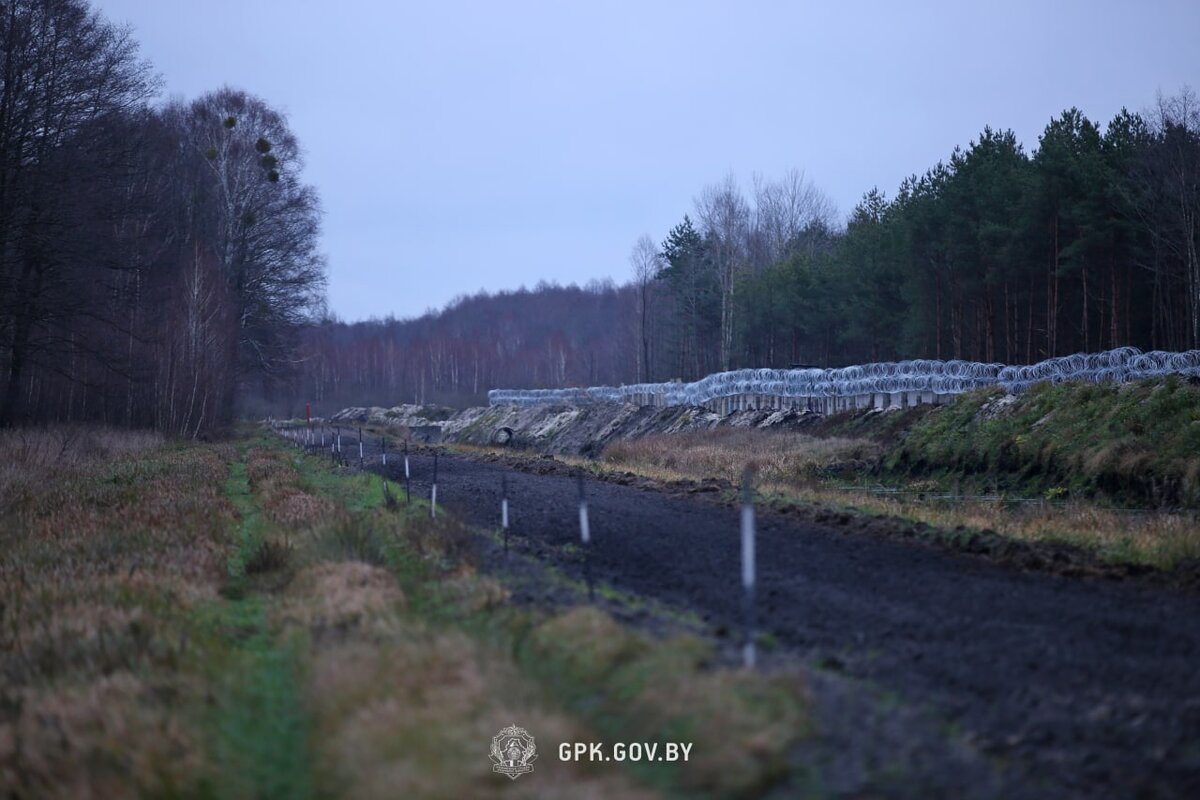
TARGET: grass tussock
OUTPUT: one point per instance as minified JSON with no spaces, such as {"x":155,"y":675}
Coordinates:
{"x":276,"y":483}
{"x":109,"y":737}
{"x":417,"y":706}
{"x":109,"y":543}
{"x":340,"y":596}
{"x":273,"y":554}
{"x":743,"y":724}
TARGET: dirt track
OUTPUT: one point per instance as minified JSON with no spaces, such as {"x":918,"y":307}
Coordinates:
{"x":1072,"y":687}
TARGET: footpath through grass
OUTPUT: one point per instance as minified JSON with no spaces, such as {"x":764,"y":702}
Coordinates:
{"x":239,"y":620}
{"x":260,"y":725}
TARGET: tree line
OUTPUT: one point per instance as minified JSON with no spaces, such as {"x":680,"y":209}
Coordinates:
{"x":994,"y":254}
{"x":155,"y":260}
{"x":550,"y":335}
{"x":159,"y":263}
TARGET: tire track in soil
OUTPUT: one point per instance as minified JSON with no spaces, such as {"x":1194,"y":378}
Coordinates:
{"x":1081,"y":687}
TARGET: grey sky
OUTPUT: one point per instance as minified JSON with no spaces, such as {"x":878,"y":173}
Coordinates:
{"x":459,"y":146}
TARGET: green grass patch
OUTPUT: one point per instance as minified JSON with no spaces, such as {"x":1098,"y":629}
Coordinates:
{"x":257,"y":717}
{"x":250,"y":528}
{"x":356,"y":492}
{"x":1135,"y":443}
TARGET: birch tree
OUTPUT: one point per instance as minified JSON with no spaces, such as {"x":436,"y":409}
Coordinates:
{"x":724,"y":217}
{"x":647,"y":263}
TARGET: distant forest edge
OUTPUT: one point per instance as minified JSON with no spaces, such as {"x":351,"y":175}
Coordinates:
{"x":159,"y":263}
{"x":994,"y":255}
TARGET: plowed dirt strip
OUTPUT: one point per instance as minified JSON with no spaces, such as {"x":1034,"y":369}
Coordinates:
{"x":1081,"y":686}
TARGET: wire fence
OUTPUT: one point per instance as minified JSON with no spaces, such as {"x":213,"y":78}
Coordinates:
{"x":917,"y":381}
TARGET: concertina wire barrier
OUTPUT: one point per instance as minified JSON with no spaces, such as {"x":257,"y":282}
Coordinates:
{"x":920,"y":375}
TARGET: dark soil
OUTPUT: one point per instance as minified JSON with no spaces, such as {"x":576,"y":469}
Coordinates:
{"x":1068,"y":686}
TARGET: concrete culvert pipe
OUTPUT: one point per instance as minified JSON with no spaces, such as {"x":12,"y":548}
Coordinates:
{"x":502,"y":436}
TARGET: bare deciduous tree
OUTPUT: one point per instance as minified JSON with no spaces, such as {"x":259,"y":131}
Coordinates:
{"x":647,"y":263}
{"x":149,"y":259}
{"x":1175,"y":165}
{"x":65,"y":76}
{"x":265,"y":221}
{"x":724,"y":216}
{"x":784,"y":210}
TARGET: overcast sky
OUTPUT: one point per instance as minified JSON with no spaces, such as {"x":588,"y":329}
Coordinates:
{"x":459,"y":146}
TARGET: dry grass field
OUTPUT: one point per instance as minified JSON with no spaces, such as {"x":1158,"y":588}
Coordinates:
{"x":239,"y":620}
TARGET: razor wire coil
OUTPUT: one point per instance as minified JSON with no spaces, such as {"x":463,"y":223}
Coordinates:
{"x":926,"y":376}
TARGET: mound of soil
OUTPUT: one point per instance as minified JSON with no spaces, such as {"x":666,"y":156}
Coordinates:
{"x":565,"y":430}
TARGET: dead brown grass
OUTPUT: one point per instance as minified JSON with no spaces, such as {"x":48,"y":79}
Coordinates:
{"x":743,"y":724}
{"x":110,"y":737}
{"x":28,"y":455}
{"x":67,"y":445}
{"x":805,"y":468}
{"x":118,"y":645}
{"x":276,"y":483}
{"x":338,"y":596}
{"x":416,"y":707}
{"x":778,"y":456}
{"x":1156,"y":538}
{"x":109,"y":539}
